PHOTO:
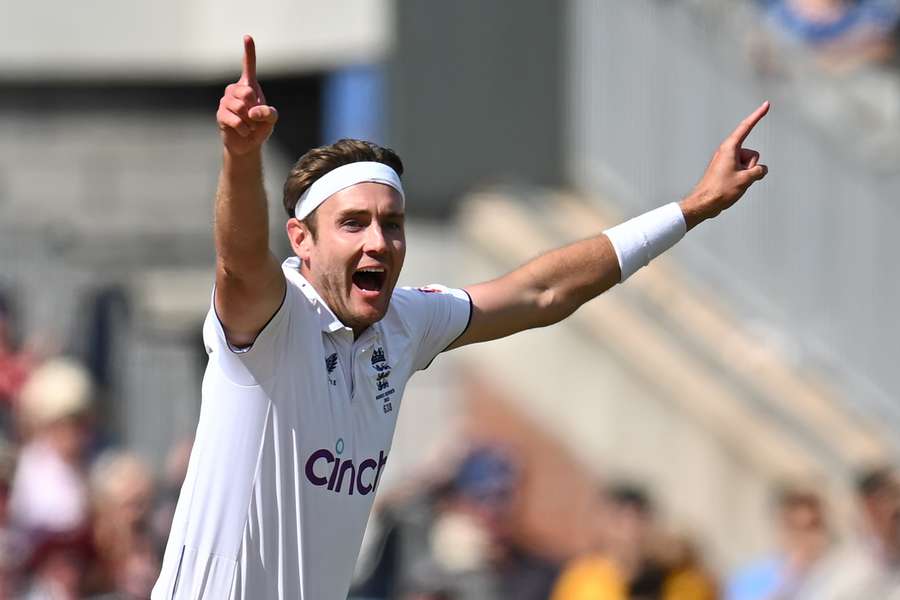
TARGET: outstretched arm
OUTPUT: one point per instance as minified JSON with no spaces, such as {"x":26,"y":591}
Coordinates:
{"x":551,"y":287}
{"x":249,"y":282}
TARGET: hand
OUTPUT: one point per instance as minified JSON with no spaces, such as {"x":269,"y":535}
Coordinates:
{"x":244,"y":119}
{"x":730,"y":173}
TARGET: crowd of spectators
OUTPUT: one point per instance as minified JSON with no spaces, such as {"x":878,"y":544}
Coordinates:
{"x":454,"y":539}
{"x":842,"y":35}
{"x":79,"y":518}
{"x":810,"y":565}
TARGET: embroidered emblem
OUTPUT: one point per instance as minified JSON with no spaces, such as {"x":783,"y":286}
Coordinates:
{"x":330,"y":365}
{"x":381,"y":380}
{"x":382,"y":372}
{"x":378,"y":355}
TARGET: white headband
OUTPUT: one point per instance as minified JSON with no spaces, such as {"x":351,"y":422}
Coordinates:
{"x":343,"y":177}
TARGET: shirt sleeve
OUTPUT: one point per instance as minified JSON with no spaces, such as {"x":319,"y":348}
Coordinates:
{"x":438,"y":315}
{"x":256,"y":363}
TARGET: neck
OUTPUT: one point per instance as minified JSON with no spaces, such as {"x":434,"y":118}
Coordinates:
{"x":358,"y":330}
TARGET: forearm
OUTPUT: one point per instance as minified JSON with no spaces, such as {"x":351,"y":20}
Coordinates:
{"x":558,"y":282}
{"x":241,"y":216}
{"x":572,"y":275}
{"x":566,"y":278}
{"x":551,"y":287}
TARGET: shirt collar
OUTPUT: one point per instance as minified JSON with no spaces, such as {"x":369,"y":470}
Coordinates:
{"x":328,"y":320}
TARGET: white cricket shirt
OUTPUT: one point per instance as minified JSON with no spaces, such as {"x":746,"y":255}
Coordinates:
{"x":293,"y":436}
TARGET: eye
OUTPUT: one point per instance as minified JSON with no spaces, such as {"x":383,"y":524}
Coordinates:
{"x":393,"y":224}
{"x":352,"y":224}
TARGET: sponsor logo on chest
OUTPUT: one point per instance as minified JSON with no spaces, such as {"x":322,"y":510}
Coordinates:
{"x":325,"y":468}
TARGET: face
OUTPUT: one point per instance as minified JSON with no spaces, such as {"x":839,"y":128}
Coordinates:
{"x":132,"y":502}
{"x":883,"y":512}
{"x":628,"y":526}
{"x":356,"y":257}
{"x":803,"y":530}
{"x":70,"y":436}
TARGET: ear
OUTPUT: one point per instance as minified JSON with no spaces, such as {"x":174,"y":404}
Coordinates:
{"x":300,"y":238}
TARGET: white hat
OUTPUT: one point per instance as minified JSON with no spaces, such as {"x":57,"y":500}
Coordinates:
{"x":57,"y":389}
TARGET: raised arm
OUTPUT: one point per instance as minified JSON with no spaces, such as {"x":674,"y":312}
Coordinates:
{"x":250,"y":285}
{"x":551,"y":287}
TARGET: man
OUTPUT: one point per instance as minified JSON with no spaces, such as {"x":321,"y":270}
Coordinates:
{"x":49,"y":494}
{"x":455,"y":538}
{"x":804,"y":539}
{"x":620,"y":565}
{"x":309,"y":359}
{"x":867,"y":566}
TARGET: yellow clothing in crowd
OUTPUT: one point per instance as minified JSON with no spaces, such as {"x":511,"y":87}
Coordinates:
{"x":590,"y":578}
{"x":597,"y":578}
{"x":689,"y":584}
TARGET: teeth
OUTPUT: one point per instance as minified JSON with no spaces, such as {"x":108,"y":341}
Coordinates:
{"x":372,"y":270}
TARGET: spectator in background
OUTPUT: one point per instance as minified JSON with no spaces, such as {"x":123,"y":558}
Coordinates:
{"x":122,"y":493}
{"x":687,"y":578}
{"x":49,"y":491}
{"x":844,"y":33}
{"x":632,"y":561}
{"x":396,"y":564}
{"x":135,"y":575}
{"x":472,"y":538}
{"x":620,"y":568}
{"x":453,"y":541}
{"x":166,"y":498}
{"x":868,"y":567}
{"x":58,"y":566}
{"x":467,"y":544}
{"x":803,"y":538}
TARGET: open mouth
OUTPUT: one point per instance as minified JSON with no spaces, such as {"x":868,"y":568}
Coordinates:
{"x":370,"y":279}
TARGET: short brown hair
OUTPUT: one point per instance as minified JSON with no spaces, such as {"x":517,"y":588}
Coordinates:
{"x":321,"y":160}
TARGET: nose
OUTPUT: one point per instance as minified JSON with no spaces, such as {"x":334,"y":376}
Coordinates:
{"x":374,"y":242}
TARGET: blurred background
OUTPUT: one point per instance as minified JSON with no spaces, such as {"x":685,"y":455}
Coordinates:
{"x":726,"y":425}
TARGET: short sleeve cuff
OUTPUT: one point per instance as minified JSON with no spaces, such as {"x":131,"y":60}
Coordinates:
{"x":248,"y":365}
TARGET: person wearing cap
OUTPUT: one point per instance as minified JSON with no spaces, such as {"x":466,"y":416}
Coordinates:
{"x":49,"y":491}
{"x":308,"y":358}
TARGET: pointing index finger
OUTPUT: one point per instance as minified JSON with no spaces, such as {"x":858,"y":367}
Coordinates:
{"x":738,"y":136}
{"x":248,"y":74}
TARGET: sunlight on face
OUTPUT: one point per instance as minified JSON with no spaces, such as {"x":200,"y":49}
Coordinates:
{"x":360,"y":245}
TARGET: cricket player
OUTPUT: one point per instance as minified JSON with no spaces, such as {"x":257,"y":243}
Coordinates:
{"x":308,"y":358}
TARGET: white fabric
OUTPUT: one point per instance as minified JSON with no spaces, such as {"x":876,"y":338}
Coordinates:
{"x":289,"y":451}
{"x":643,"y":238}
{"x":47,"y":493}
{"x":854,"y":570}
{"x":343,"y":177}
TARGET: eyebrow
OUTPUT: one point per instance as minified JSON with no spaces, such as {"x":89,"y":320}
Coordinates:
{"x":352,"y":212}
